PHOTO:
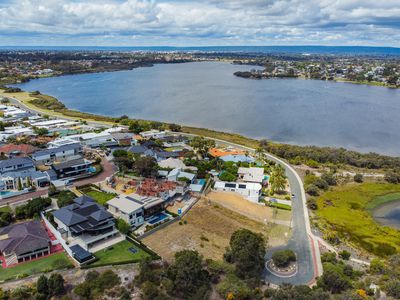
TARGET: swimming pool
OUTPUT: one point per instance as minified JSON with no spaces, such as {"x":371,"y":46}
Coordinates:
{"x":158,"y":218}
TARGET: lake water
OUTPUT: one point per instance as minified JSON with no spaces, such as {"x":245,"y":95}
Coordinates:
{"x":388,"y":214}
{"x":207,"y":94}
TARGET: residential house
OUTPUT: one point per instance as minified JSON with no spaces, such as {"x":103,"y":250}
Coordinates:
{"x":16,"y":164}
{"x":178,"y":175}
{"x":19,"y":173}
{"x":155,"y":134}
{"x":249,"y":190}
{"x":93,"y":139}
{"x":238,"y":158}
{"x":85,"y":223}
{"x":127,"y":208}
{"x":59,"y":154}
{"x":22,"y":242}
{"x":123,"y":138}
{"x":72,"y":168}
{"x":13,"y":150}
{"x":252,"y":174}
{"x":166,"y":190}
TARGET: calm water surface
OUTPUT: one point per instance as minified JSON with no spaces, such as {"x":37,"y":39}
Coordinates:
{"x":207,"y":94}
{"x":388,"y":214}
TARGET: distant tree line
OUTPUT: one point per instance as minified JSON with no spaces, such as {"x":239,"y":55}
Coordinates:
{"x":327,"y":155}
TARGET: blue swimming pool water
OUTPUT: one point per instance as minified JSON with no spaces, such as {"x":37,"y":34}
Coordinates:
{"x":158,"y":218}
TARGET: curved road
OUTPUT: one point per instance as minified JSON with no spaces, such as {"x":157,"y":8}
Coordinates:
{"x":302,"y":240}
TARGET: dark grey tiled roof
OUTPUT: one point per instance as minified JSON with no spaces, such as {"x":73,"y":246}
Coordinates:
{"x":24,"y":237}
{"x":83,"y":214}
{"x":15,"y":161}
{"x":138,"y":149}
{"x":69,"y":163}
{"x":56,"y":150}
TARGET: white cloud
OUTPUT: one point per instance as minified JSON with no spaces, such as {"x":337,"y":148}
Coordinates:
{"x":187,"y":22}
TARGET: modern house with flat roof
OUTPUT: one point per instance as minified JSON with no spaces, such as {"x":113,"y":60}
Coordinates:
{"x":22,"y":242}
{"x":85,"y":223}
{"x":72,"y":168}
{"x":252,"y":174}
{"x":155,"y":134}
{"x":249,"y":190}
{"x":128,"y":208}
{"x":60,"y":154}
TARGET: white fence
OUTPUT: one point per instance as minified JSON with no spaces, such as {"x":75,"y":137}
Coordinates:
{"x":57,"y":234}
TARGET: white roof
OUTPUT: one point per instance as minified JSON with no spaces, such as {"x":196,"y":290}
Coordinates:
{"x":172,"y":163}
{"x":241,"y":185}
{"x":252,"y":174}
{"x":124,"y":204}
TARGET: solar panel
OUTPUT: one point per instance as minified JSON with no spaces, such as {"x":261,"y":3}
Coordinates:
{"x":81,"y":254}
{"x":242,"y":186}
{"x":230,"y":185}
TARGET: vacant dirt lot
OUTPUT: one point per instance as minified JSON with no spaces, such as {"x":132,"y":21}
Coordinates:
{"x":254,"y":211}
{"x":208,"y":230}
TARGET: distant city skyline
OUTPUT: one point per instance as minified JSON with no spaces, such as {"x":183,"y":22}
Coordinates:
{"x":199,"y":23}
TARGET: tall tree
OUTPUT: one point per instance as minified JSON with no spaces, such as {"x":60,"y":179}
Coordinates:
{"x":246,"y":250}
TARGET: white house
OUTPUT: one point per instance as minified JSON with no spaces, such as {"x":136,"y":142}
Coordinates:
{"x":92,"y":139}
{"x":128,"y":209}
{"x":252,"y":174}
{"x":177,"y":174}
{"x":62,"y":153}
{"x":249,"y":190}
{"x":155,"y":134}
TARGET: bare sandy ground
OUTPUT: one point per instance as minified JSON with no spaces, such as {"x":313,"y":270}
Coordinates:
{"x":208,"y":230}
{"x":254,"y":211}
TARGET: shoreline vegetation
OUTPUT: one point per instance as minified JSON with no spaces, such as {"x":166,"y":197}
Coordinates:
{"x":312,"y":156}
{"x":257,"y":75}
{"x":345,"y":212}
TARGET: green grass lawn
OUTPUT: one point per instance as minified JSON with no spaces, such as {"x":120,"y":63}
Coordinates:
{"x":100,"y":197}
{"x":119,"y":254}
{"x":64,"y":198}
{"x":4,"y":209}
{"x":346,"y":209}
{"x":47,"y":264}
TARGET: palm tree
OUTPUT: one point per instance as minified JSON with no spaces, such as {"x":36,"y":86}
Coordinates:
{"x":278,"y":179}
{"x":260,"y":154}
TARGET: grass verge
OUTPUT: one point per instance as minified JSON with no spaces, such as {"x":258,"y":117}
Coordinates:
{"x":47,"y":264}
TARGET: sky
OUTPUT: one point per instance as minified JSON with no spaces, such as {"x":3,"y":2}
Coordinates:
{"x":199,"y":23}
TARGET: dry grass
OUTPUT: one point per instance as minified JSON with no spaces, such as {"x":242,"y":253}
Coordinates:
{"x":251,"y":210}
{"x":208,"y":230}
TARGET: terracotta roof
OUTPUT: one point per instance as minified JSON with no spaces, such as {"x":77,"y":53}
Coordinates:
{"x":22,"y":148}
{"x":216,"y":152}
{"x":152,"y":187}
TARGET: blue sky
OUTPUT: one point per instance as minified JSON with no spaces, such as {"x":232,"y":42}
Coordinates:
{"x":199,"y":23}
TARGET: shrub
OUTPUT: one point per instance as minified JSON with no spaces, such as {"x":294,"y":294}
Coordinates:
{"x":344,"y":255}
{"x":312,"y":190}
{"x":283,"y":258}
{"x":358,"y":178}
